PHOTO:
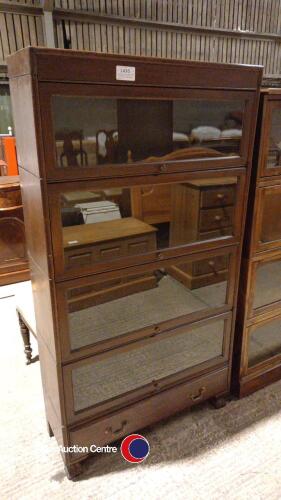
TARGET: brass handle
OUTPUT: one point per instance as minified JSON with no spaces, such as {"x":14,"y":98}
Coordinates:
{"x":220,"y":196}
{"x":196,"y":397}
{"x":218,"y":217}
{"x":109,"y":430}
{"x":163,"y":168}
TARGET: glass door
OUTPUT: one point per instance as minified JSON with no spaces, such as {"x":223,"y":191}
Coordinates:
{"x":100,"y":312}
{"x":97,"y":225}
{"x":270,"y":156}
{"x":91,"y":129}
{"x":268,"y":221}
{"x":264,"y":344}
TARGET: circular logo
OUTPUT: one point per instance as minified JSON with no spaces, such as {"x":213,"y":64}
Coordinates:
{"x":135,"y":448}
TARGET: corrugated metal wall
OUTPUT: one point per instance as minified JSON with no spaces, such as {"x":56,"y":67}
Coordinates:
{"x":241,"y":31}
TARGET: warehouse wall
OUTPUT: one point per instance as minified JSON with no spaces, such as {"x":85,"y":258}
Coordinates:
{"x":241,"y":31}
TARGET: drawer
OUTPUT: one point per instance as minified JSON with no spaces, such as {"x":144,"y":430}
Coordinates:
{"x":136,"y":246}
{"x":215,"y":218}
{"x":218,"y":196}
{"x":108,"y":251}
{"x":151,"y":410}
{"x":215,"y":233}
{"x":214,"y":264}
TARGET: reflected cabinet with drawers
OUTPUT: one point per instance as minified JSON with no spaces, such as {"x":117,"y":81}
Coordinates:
{"x":258,"y":329}
{"x":135,"y":176}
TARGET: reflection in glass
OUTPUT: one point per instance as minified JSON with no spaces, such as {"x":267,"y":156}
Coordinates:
{"x":271,"y":220}
{"x":268,"y":286}
{"x":274,"y":150}
{"x":96,"y":131}
{"x":98,"y":312}
{"x":264,"y":342}
{"x":99,"y":381}
{"x":100,"y":226}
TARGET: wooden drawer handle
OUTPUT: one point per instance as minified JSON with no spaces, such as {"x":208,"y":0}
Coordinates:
{"x":196,"y":397}
{"x":80,"y":256}
{"x":109,"y":430}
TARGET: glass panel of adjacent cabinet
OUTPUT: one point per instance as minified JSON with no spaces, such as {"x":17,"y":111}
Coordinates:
{"x":264,"y":342}
{"x":92,"y":131}
{"x":112,"y":223}
{"x":130,"y":369}
{"x":271,"y":220}
{"x":274,"y":149}
{"x":267,"y":286}
{"x":110,"y":309}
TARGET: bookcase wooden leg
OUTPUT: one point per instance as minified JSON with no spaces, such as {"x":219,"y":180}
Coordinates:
{"x":49,"y":429}
{"x":73,"y":470}
{"x":218,"y":402}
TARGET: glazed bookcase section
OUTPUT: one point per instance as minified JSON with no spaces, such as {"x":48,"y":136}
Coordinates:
{"x":176,"y":123}
{"x":124,"y":375}
{"x":102,"y":225}
{"x":267,"y":229}
{"x":264,"y":344}
{"x":170,"y":130}
{"x":148,"y":300}
{"x":264,"y":285}
{"x":270,"y":156}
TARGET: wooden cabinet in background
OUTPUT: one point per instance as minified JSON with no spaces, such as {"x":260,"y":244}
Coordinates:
{"x":13,"y":256}
{"x":200,"y":210}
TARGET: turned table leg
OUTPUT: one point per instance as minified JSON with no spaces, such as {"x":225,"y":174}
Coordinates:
{"x":26,"y":340}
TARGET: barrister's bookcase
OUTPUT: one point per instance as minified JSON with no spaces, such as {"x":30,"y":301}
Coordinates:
{"x":135,"y":176}
{"x":258,"y":329}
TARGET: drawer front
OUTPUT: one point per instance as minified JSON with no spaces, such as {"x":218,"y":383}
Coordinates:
{"x":215,"y":218}
{"x":104,"y":252}
{"x":136,"y":246}
{"x":207,"y":266}
{"x":215,"y":233}
{"x":151,"y":410}
{"x":218,"y":197}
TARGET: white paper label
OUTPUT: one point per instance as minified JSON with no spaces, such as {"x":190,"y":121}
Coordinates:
{"x":126,"y":73}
